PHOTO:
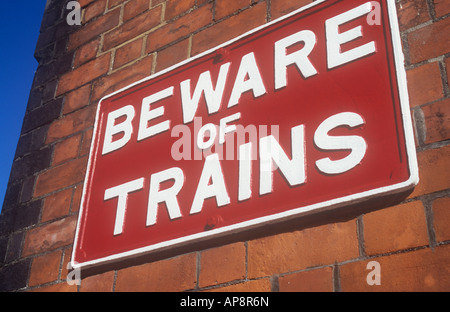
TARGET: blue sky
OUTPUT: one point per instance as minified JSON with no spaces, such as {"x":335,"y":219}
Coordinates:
{"x":19,"y":30}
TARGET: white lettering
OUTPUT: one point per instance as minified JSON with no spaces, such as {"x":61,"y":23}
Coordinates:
{"x":335,"y":39}
{"x":248,"y":68}
{"x":212,"y":171}
{"x":122,"y":191}
{"x":293,"y":170}
{"x":356,"y":144}
{"x":147,"y":114}
{"x":112,"y":129}
{"x":168,"y":196}
{"x":204,"y":85}
{"x":299,"y":58}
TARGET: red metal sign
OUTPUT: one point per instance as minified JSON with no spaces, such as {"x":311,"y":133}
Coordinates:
{"x":305,"y":114}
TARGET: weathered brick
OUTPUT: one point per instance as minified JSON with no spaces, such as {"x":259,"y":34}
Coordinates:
{"x":415,"y":271}
{"x":177,"y":7}
{"x":65,"y":175}
{"x":132,"y":28}
{"x":260,"y":285}
{"x":93,"y":29}
{"x":437,"y":121}
{"x":95,"y":9}
{"x":395,"y":228}
{"x":442,"y":7}
{"x":412,"y":13}
{"x":77,"y":99}
{"x":66,"y":150}
{"x":30,"y":164}
{"x":424,"y":84}
{"x":134,"y":8}
{"x":180,"y":28}
{"x":122,"y":78}
{"x":433,"y":171}
{"x":84,"y":74}
{"x":45,"y":269}
{"x":441,"y":216}
{"x":128,"y":53}
{"x":42,"y":115}
{"x":172,"y":55}
{"x":14,"y":276}
{"x":299,"y":250}
{"x":429,"y":41}
{"x":50,"y":236}
{"x":280,"y":8}
{"x":56,"y":205}
{"x":229,"y":28}
{"x":71,"y":123}
{"x":176,"y":274}
{"x":98,"y":283}
{"x":86,"y":52}
{"x":222,"y":264}
{"x":26,"y":215}
{"x":318,"y":280}
{"x":225,"y":7}
{"x":60,"y":287}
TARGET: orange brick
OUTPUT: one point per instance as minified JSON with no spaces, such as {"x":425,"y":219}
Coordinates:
{"x":280,"y":8}
{"x":177,"y":7}
{"x":122,"y":78}
{"x":128,"y":53}
{"x":395,"y":228}
{"x":447,"y":65}
{"x":93,"y":10}
{"x":86,"y":53}
{"x":429,"y":41}
{"x":442,"y":7}
{"x":437,"y":121}
{"x":322,"y":245}
{"x":221,"y":265}
{"x":71,"y":123}
{"x":424,"y":84}
{"x":50,"y":236}
{"x":76,"y":198}
{"x":433,"y":171}
{"x":176,"y":274}
{"x":113,"y":3}
{"x":260,"y":285}
{"x":98,"y":283}
{"x":319,"y":280}
{"x":66,"y":150}
{"x":132,"y":28}
{"x":172,"y":55}
{"x":412,"y":13}
{"x":65,"y":175}
{"x":45,"y":269}
{"x":84,"y":74}
{"x":134,"y":8}
{"x":225,"y":7}
{"x":415,"y":271}
{"x":229,"y":28}
{"x":61,"y":287}
{"x":93,"y":29}
{"x":57,"y":205}
{"x":77,"y":99}
{"x":86,"y":143}
{"x":179,"y":28}
{"x":441,"y":216}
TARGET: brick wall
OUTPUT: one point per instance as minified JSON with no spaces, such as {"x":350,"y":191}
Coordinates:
{"x":122,"y":41}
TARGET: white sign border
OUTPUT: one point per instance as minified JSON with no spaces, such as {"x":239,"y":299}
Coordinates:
{"x":319,"y":207}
